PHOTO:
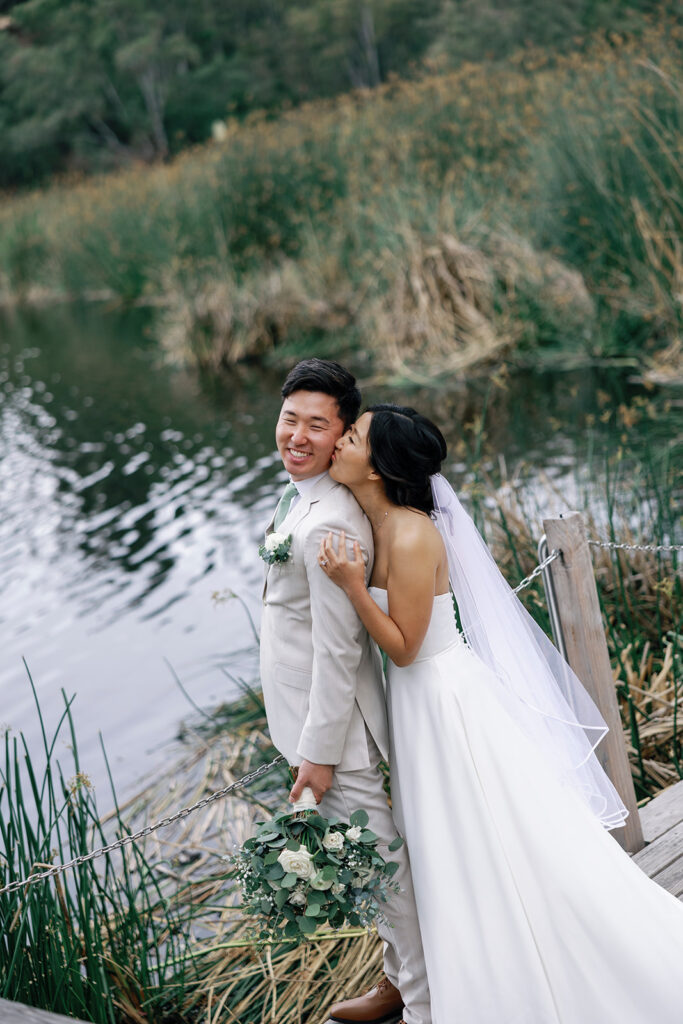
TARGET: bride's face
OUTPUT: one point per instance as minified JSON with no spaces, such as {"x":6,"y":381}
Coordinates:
{"x":351,"y":456}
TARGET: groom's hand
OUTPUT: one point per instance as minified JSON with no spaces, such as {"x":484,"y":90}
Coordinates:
{"x":317,"y":776}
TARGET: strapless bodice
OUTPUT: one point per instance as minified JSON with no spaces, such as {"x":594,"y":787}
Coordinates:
{"x":442,"y":630}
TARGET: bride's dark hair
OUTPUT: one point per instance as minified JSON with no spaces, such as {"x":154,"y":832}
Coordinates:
{"x":405,"y":449}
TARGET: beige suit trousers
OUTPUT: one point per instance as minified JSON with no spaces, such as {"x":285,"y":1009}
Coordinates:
{"x":399,"y":929}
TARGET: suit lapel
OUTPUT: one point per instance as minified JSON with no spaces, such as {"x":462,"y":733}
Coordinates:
{"x":299,"y":512}
{"x":271,"y":525}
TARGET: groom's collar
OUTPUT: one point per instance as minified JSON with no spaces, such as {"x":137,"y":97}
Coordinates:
{"x":313,"y":490}
{"x":305,"y":487}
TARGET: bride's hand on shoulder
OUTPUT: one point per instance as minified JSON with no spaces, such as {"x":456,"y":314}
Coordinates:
{"x":347,"y":573}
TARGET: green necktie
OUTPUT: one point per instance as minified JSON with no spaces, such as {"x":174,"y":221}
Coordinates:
{"x":283,"y":505}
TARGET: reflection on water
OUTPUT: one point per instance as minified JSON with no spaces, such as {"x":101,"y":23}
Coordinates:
{"x":118,"y":463}
{"x":126,"y":499}
{"x":130,"y":492}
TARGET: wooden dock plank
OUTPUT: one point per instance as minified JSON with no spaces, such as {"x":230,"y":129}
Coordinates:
{"x":671,"y":878}
{"x":659,"y":854}
{"x":18,"y":1013}
{"x":662,"y":857}
{"x":663,"y":813}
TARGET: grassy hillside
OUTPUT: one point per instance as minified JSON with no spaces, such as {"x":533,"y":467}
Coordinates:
{"x":524,"y":210}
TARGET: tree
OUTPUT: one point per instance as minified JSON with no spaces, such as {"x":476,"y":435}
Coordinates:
{"x":81,"y":77}
{"x":91,"y":83}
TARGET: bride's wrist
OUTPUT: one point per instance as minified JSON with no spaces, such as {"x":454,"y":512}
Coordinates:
{"x":354,"y":589}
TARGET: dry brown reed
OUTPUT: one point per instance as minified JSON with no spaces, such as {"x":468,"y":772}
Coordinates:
{"x":429,"y":307}
{"x":452,"y":304}
{"x":224,"y":321}
{"x":244,"y":983}
{"x":666,"y":367}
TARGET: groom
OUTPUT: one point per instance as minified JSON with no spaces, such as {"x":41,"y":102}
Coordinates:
{"x":321,"y":676}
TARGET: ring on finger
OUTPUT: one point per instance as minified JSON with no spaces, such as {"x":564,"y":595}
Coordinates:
{"x":323,"y":561}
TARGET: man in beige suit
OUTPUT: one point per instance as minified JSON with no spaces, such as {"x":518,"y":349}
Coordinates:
{"x":321,"y":676}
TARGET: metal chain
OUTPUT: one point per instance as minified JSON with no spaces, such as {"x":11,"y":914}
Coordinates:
{"x":537,"y":571}
{"x":613,"y":546}
{"x":127,"y":840}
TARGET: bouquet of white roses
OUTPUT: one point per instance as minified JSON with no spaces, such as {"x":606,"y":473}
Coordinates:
{"x":302,"y":871}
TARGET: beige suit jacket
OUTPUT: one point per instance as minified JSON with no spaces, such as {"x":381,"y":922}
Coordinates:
{"x":321,"y":674}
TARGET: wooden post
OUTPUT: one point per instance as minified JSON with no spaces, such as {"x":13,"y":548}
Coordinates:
{"x":584,"y":637}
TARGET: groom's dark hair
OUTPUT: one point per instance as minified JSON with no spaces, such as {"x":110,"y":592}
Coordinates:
{"x":329,"y":377}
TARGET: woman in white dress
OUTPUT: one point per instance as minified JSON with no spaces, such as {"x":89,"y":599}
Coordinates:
{"x":530,"y":912}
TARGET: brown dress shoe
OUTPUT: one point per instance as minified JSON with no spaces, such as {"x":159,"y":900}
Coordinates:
{"x":381,"y":1005}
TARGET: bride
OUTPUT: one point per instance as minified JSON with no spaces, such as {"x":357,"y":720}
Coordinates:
{"x":530,"y":912}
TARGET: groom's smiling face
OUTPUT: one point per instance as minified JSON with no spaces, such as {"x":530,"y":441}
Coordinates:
{"x":307,"y":430}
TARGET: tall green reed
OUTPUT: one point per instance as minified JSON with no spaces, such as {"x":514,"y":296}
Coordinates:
{"x":611,"y":199}
{"x":641,"y":596}
{"x":103,"y":941}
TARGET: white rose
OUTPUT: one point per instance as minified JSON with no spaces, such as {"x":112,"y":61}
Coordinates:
{"x":274,"y":540}
{"x":333,"y":841}
{"x":320,"y":883}
{"x":353,"y":833}
{"x":298,"y":898}
{"x":297,"y":862}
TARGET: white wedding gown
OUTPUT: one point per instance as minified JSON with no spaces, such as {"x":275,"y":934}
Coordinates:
{"x":530,"y":911}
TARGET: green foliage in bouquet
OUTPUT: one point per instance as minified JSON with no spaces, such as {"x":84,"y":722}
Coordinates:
{"x":302,"y":871}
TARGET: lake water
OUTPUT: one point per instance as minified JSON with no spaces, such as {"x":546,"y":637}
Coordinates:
{"x":132,"y":491}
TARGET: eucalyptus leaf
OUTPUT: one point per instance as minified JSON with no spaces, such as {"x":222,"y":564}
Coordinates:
{"x":315,"y":821}
{"x":306,"y":925}
{"x":337,"y":918}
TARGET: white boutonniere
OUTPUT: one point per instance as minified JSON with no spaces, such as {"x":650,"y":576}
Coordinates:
{"x":276,"y":548}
